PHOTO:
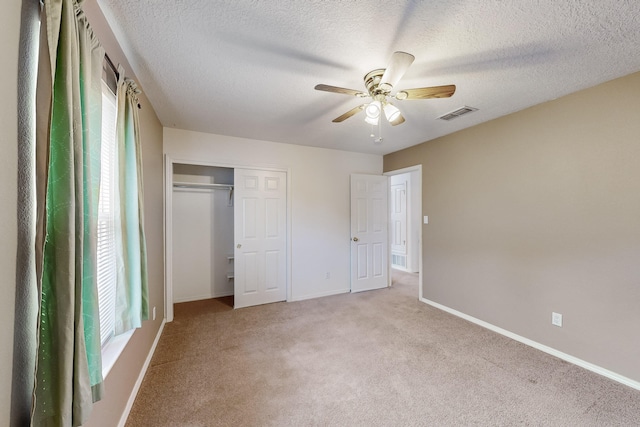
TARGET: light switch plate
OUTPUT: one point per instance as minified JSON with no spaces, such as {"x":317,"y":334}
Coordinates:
{"x":426,"y":219}
{"x":556,"y":319}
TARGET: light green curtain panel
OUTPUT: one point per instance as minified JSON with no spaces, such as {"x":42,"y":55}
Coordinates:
{"x":68,"y":111}
{"x":132,"y":301}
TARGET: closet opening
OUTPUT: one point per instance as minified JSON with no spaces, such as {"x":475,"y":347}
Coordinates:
{"x":227,"y":234}
{"x":203,"y":232}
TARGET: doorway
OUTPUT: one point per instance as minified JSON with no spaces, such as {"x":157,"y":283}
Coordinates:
{"x":406,"y":221}
{"x":202,"y":230}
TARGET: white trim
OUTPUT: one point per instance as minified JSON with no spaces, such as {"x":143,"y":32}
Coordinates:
{"x":289,"y":226}
{"x":322,"y":294}
{"x":549,"y":350}
{"x":112,"y":351}
{"x":404,"y":170}
{"x":143,"y":371}
{"x":168,"y":238}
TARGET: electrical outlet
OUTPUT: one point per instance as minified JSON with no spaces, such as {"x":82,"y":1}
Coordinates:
{"x":154,"y":313}
{"x":556,"y":319}
{"x":327,"y":275}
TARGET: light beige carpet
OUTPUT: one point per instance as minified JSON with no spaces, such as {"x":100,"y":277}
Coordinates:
{"x":377,"y":358}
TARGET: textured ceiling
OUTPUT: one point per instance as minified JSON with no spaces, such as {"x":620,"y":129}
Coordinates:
{"x":248,"y":68}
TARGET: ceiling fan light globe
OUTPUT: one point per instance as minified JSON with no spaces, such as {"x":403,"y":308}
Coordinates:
{"x":372,"y":110}
{"x":371,"y":120}
{"x":391,"y":112}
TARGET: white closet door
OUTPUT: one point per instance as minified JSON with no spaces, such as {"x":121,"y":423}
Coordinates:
{"x":260,"y":237}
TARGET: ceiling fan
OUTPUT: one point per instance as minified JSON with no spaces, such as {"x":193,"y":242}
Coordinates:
{"x":379,"y":84}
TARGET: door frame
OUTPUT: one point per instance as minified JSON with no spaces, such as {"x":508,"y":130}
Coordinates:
{"x":169,"y":161}
{"x":418,"y":186}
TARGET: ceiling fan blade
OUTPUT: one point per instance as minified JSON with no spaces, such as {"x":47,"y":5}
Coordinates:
{"x":348,"y":114}
{"x":400,"y":62}
{"x":342,"y":90}
{"x":427,"y":92}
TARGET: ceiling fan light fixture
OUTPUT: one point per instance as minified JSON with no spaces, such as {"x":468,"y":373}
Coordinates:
{"x":372,"y":110}
{"x":391,"y":112}
{"x":379,"y":84}
{"x":371,"y":120}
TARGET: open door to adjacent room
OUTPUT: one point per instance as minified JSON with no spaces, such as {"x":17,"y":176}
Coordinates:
{"x":369,"y":232}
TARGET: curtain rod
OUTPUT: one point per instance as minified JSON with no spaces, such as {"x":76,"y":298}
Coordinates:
{"x":113,"y":67}
{"x":115,"y":70}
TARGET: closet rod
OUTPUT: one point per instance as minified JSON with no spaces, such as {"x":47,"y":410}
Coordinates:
{"x":202,"y":185}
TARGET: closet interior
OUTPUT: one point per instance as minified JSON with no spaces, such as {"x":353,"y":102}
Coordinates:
{"x":203,"y":232}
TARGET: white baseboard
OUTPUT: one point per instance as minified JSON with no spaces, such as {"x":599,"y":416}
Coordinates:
{"x":552,"y":351}
{"x":143,"y":371}
{"x":321,"y":294}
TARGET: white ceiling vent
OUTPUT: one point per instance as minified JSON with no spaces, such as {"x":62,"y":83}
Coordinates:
{"x":457,"y":113}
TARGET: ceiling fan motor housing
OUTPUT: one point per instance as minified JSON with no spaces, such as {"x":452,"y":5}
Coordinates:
{"x":372,"y":83}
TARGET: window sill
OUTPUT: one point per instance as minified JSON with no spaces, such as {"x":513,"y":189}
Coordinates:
{"x":111,"y":352}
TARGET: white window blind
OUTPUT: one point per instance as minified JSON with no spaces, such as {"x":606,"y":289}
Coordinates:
{"x":106,"y":267}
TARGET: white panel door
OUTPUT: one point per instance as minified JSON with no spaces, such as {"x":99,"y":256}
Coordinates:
{"x":369,"y":232}
{"x":399,"y":218}
{"x":260,"y":237}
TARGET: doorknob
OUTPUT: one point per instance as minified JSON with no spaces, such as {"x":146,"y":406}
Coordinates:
{"x":355,"y":239}
{"x":239,"y":246}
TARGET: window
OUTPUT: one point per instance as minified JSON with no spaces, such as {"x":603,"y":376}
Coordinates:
{"x":108,"y":214}
{"x":106,"y":276}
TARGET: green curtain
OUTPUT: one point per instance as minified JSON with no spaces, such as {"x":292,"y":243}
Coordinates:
{"x":132,"y":305}
{"x":68,"y":111}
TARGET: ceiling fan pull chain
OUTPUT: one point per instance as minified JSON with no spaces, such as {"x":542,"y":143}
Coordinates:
{"x":378,"y":140}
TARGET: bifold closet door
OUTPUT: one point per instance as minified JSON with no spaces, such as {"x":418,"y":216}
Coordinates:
{"x":260,"y":237}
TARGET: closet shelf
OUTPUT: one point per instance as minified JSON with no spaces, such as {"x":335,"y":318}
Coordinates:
{"x":202,"y":185}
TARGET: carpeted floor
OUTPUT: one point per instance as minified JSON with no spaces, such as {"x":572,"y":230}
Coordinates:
{"x":377,"y":358}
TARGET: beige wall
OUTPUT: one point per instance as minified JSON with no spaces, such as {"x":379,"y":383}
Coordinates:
{"x":319,"y":199}
{"x":9,"y":36}
{"x":539,"y":211}
{"x":121,"y":380}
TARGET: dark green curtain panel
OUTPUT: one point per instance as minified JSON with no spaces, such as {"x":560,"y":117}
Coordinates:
{"x":68,"y":371}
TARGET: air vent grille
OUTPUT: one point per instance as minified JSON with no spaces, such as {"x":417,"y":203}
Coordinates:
{"x":399,"y":260}
{"x":457,"y":113}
